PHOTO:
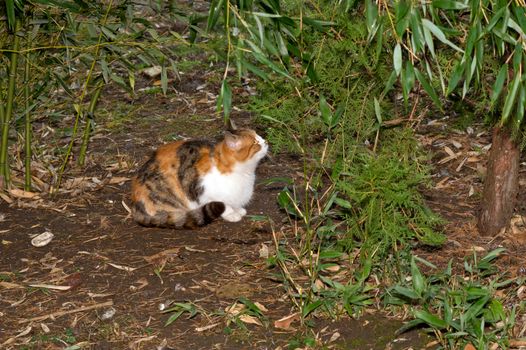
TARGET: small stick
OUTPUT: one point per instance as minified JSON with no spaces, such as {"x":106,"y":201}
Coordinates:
{"x":61,"y":313}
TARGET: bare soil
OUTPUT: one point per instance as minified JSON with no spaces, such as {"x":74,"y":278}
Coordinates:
{"x":103,"y":281}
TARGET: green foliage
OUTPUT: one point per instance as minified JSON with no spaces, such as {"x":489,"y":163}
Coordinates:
{"x":475,"y":34}
{"x":459,"y":309}
{"x":259,"y":32}
{"x":178,"y":309}
{"x":71,"y":50}
{"x":338,"y":105}
{"x":385,"y":208}
{"x":362,"y":193}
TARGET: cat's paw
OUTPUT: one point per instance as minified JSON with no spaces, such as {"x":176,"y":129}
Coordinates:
{"x":233,"y":215}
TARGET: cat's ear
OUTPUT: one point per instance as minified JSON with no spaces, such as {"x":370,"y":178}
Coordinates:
{"x":232,"y":141}
{"x":231,"y":126}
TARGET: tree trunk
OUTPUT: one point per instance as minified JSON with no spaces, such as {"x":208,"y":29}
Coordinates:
{"x":501,"y":184}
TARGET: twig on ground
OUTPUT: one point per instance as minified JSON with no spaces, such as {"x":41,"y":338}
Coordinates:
{"x":67,"y":312}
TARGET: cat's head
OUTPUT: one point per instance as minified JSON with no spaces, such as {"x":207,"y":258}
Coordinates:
{"x":244,"y":145}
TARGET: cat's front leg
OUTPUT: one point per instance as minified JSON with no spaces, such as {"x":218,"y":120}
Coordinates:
{"x":233,"y":214}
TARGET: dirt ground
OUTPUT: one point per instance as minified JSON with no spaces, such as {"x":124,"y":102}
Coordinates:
{"x":103,"y":281}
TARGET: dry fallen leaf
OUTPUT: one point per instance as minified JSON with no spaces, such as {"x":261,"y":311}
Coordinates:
{"x":190,"y":249}
{"x":45,"y":328}
{"x":118,"y":180}
{"x":24,"y":332}
{"x":153,"y":71}
{"x":23,"y":194}
{"x":260,"y":306}
{"x":469,"y":347}
{"x":162,"y":256}
{"x":205,"y":328}
{"x":42,"y":239}
{"x":234,"y":309}
{"x":334,"y":337}
{"x":6,"y":198}
{"x":449,"y":151}
{"x":50,"y":286}
{"x":332,"y":268}
{"x":9,"y":285}
{"x":263,"y":251}
{"x":285,"y":322}
{"x":456,"y":144}
{"x":250,"y":319}
{"x":126,"y":207}
{"x":122,"y":267}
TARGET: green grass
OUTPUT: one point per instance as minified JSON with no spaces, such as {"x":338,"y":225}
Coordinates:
{"x":459,"y":308}
{"x":360,"y":204}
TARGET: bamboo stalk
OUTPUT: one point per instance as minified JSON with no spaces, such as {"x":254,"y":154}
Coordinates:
{"x":89,"y":124}
{"x":28,"y":131}
{"x":4,"y":168}
{"x":2,"y":110}
{"x":81,"y":99}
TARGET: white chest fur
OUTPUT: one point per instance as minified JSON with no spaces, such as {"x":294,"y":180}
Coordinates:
{"x":234,"y":189}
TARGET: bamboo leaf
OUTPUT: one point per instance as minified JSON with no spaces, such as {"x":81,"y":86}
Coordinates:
{"x":428,"y":88}
{"x":406,"y":292}
{"x":429,"y":41}
{"x":416,"y":29}
{"x":417,"y":278}
{"x":10,"y":9}
{"x":378,"y":111}
{"x":495,"y":253}
{"x":317,"y":24}
{"x":409,"y":325}
{"x":371,"y":19}
{"x":213,"y":14}
{"x":402,"y":11}
{"x":499,"y":84}
{"x":389,"y":84}
{"x":131,"y":78}
{"x":475,"y":309}
{"x":307,"y":309}
{"x":225,"y":99}
{"x":437,"y":32}
{"x":457,"y":74}
{"x":173,"y":317}
{"x":510,"y":99}
{"x":164,"y":79}
{"x":397,"y":59}
{"x":325,"y":110}
{"x":430,"y":319}
{"x":449,"y":5}
{"x":495,"y":19}
{"x":521,"y":106}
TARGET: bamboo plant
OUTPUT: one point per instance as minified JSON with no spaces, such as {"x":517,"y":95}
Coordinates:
{"x":110,"y":42}
{"x":483,"y":42}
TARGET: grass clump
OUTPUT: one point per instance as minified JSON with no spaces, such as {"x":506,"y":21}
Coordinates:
{"x":459,"y":308}
{"x":360,"y":202}
{"x":385,"y":208}
{"x":347,"y":78}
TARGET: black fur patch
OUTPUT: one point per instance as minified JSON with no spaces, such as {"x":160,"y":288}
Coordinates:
{"x":149,"y":171}
{"x":212,"y":210}
{"x":159,"y":192}
{"x":188,"y":154}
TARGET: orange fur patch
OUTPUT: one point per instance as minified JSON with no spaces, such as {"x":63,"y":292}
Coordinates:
{"x":226,"y":157}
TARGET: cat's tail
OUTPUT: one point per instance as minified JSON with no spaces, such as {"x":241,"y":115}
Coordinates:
{"x":203,"y":215}
{"x":179,"y":218}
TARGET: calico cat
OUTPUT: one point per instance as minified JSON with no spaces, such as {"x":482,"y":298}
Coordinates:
{"x":187,"y":184}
